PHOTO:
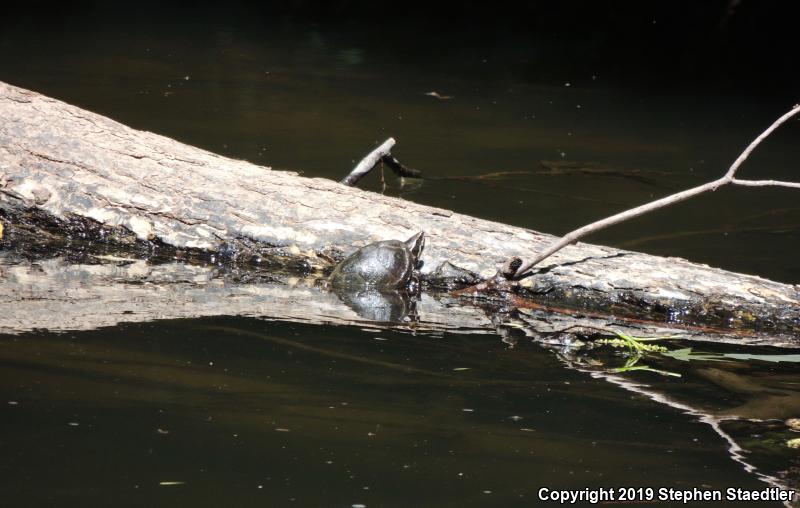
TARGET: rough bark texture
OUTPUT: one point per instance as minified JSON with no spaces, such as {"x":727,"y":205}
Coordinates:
{"x":70,"y":170}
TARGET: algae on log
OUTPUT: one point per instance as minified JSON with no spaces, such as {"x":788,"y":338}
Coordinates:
{"x":72,"y":177}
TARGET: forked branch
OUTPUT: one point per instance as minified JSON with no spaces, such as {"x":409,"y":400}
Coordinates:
{"x":728,"y":178}
{"x":382,"y":153}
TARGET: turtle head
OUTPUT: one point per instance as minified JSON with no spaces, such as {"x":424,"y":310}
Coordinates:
{"x":415,"y":244}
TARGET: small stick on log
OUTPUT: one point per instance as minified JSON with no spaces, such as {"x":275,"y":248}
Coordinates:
{"x":368,"y":162}
{"x":381,"y":154}
{"x":575,"y":235}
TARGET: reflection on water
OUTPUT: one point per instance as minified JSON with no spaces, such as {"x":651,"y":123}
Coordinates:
{"x":386,"y":306}
{"x":247,"y":412}
{"x":751,"y":404}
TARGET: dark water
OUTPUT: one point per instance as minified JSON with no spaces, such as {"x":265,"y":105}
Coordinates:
{"x":247,"y":412}
{"x":240,"y":415}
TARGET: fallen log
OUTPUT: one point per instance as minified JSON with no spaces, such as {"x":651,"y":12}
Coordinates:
{"x":76,"y":180}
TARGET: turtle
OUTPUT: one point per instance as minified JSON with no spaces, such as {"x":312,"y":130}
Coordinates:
{"x":388,"y":264}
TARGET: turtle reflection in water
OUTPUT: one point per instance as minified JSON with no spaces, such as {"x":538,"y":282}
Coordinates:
{"x":377,"y":279}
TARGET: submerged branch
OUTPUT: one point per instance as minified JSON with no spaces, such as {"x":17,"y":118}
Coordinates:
{"x":399,"y":169}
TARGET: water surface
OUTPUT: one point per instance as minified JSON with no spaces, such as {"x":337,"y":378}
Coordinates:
{"x":242,"y":412}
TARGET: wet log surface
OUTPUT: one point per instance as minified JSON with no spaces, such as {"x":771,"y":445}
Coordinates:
{"x":75,"y":181}
{"x":61,"y":294}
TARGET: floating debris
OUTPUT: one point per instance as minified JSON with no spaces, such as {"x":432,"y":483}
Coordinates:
{"x":167,"y":484}
{"x":461,"y":368}
{"x":282,"y":430}
{"x":439,"y":96}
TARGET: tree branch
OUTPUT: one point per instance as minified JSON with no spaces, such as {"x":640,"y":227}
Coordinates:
{"x":368,"y":162}
{"x":765,"y":183}
{"x":381,"y":154}
{"x":575,"y":235}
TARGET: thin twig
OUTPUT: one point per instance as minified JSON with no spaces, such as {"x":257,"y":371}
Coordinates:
{"x":381,"y":154}
{"x":575,"y":235}
{"x":765,"y":183}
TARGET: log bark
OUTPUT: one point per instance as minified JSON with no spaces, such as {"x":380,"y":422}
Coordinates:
{"x":71,"y":176}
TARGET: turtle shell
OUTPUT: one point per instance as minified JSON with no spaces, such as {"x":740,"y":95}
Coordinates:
{"x":385,"y":264}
